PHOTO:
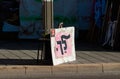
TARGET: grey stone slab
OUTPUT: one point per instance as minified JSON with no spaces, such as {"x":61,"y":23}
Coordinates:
{"x":110,"y":58}
{"x":88,"y":58}
{"x":98,"y":57}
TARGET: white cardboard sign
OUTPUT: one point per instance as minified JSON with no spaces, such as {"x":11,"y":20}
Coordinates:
{"x":62,"y":45}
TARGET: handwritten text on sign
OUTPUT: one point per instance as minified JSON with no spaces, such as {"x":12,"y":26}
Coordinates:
{"x":62,"y":45}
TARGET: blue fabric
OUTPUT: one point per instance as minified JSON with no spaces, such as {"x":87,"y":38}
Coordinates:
{"x":100,"y":6}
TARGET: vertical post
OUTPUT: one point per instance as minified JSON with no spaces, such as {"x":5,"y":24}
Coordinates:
{"x":47,"y":25}
{"x":47,"y":15}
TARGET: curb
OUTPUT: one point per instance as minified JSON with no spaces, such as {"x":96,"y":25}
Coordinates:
{"x":27,"y":71}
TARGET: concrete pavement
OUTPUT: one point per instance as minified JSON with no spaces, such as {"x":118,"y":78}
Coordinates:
{"x":18,"y":58}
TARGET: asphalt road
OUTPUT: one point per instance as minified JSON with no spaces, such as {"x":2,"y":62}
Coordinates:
{"x":64,"y":76}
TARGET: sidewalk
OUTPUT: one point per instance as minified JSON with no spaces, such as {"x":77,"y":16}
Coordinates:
{"x":20,"y":57}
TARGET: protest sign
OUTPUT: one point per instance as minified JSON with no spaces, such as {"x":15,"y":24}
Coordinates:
{"x":62,"y":45}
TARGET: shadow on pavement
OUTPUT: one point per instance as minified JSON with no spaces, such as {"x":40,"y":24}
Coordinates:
{"x":32,"y":46}
{"x":23,"y":62}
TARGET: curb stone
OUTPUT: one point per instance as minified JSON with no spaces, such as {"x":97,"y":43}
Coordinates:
{"x":27,"y":70}
{"x":111,"y":67}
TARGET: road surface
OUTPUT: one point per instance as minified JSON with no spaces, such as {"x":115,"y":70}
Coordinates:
{"x":65,"y":76}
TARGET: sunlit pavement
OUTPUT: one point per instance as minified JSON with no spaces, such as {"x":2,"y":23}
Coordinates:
{"x":19,"y":59}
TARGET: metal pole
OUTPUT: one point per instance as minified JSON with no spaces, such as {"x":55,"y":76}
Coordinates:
{"x":47,"y":15}
{"x":47,"y":25}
